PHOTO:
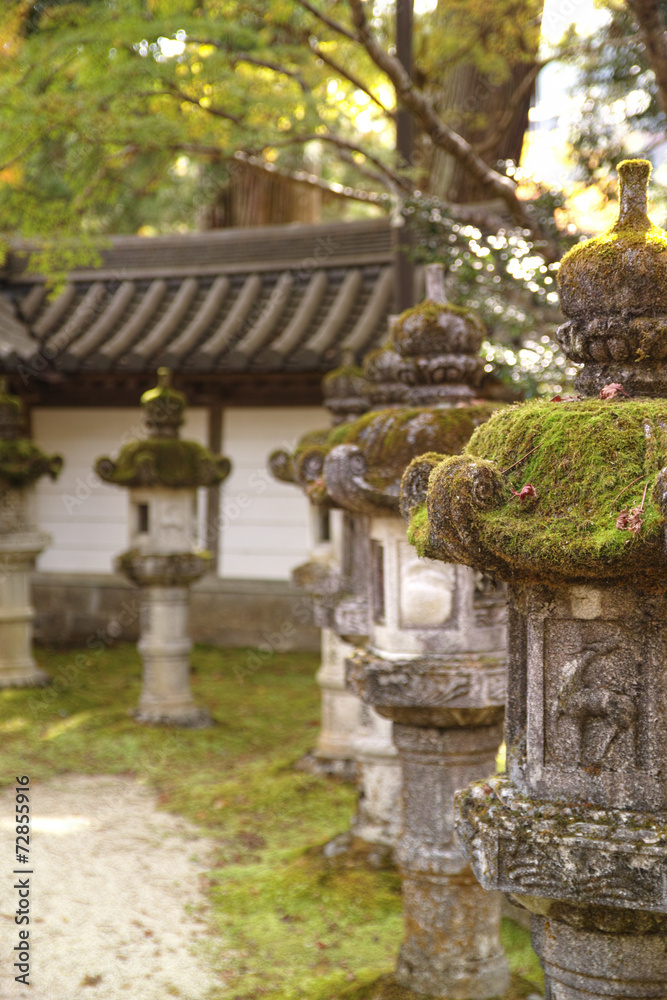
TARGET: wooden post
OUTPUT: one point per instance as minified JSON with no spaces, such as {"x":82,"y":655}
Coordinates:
{"x":214,"y":442}
{"x":404,"y":146}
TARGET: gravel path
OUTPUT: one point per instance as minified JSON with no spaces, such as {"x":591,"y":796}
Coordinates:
{"x":112,"y":878}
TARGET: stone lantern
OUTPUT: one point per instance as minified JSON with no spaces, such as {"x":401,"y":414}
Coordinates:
{"x":352,"y":733}
{"x":163,"y":474}
{"x":433,"y":664}
{"x":21,"y":465}
{"x":344,"y":396}
{"x":566,"y":500}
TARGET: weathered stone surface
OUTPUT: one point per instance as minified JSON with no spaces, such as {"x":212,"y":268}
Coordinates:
{"x":18,"y":552}
{"x":164,"y":559}
{"x":340,"y":708}
{"x":577,"y":831}
{"x":164,"y":645}
{"x":345,"y":391}
{"x":614,"y":289}
{"x":436,"y":669}
{"x":595,"y":727}
{"x":431,"y":690}
{"x":563,"y":851}
{"x":581,"y":964}
{"x":432,"y":660}
{"x":378,"y":816}
{"x":21,"y":464}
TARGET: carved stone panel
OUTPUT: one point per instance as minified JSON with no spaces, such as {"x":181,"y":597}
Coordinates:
{"x":595,"y":733}
{"x":561,"y":851}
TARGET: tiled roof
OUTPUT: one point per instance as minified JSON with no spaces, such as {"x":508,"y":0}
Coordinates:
{"x":278,"y":298}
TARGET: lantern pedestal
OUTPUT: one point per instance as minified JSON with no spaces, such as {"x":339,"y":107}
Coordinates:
{"x":164,"y":644}
{"x":447,"y":726}
{"x":340,"y":709}
{"x":18,"y":553}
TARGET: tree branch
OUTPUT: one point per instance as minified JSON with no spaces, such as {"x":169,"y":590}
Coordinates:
{"x":334,"y":25}
{"x":174,"y":91}
{"x":247,"y":58}
{"x":395,"y":179}
{"x":354,"y":80}
{"x":444,"y":137}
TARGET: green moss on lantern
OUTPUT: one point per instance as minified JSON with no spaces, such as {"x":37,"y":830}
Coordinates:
{"x":625,"y":269}
{"x":389,"y":439}
{"x":587,"y":460}
{"x":22,"y":462}
{"x":431,"y":312}
{"x":418,"y":530}
{"x":167,"y":462}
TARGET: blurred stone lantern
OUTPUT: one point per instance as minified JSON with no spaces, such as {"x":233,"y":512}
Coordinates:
{"x":21,"y":465}
{"x":566,"y":500}
{"x":430,"y":667}
{"x":163,"y":474}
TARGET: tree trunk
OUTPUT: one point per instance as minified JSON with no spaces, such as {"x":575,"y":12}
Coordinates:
{"x":257,"y":197}
{"x":471,"y":104}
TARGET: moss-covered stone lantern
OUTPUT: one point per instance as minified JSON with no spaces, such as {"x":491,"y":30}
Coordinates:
{"x":433,"y":662}
{"x":21,"y":465}
{"x":567,"y":500}
{"x":163,"y":474}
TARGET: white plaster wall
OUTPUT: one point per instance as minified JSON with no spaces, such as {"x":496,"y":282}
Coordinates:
{"x":266,"y":526}
{"x":88,"y":519}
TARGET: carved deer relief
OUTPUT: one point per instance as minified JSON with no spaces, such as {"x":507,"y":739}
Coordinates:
{"x":595,"y":716}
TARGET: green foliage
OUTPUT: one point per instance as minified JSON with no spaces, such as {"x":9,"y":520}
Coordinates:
{"x":125,"y":114}
{"x":619,"y":96}
{"x":390,"y":438}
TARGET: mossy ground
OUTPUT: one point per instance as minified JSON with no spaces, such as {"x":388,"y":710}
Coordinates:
{"x":286,"y":922}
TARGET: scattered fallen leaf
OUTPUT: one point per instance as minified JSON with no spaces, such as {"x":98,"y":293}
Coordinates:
{"x":91,"y":980}
{"x":526,"y":491}
{"x":611,"y":390}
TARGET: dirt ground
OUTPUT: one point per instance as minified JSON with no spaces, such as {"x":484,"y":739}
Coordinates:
{"x":117,"y":912}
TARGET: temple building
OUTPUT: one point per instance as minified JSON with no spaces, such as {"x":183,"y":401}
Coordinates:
{"x":249,"y":320}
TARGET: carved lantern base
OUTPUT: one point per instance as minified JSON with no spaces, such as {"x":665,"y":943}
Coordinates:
{"x":340,"y":709}
{"x":577,"y":831}
{"x":596,"y":956}
{"x":18,"y":552}
{"x":164,"y":644}
{"x":447,"y":726}
{"x":378,"y":816}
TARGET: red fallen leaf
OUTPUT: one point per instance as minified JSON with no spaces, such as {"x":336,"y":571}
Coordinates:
{"x":526,"y":491}
{"x":322,"y":946}
{"x":635,"y":520}
{"x":564,"y":399}
{"x":631,"y":520}
{"x":611,"y":390}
